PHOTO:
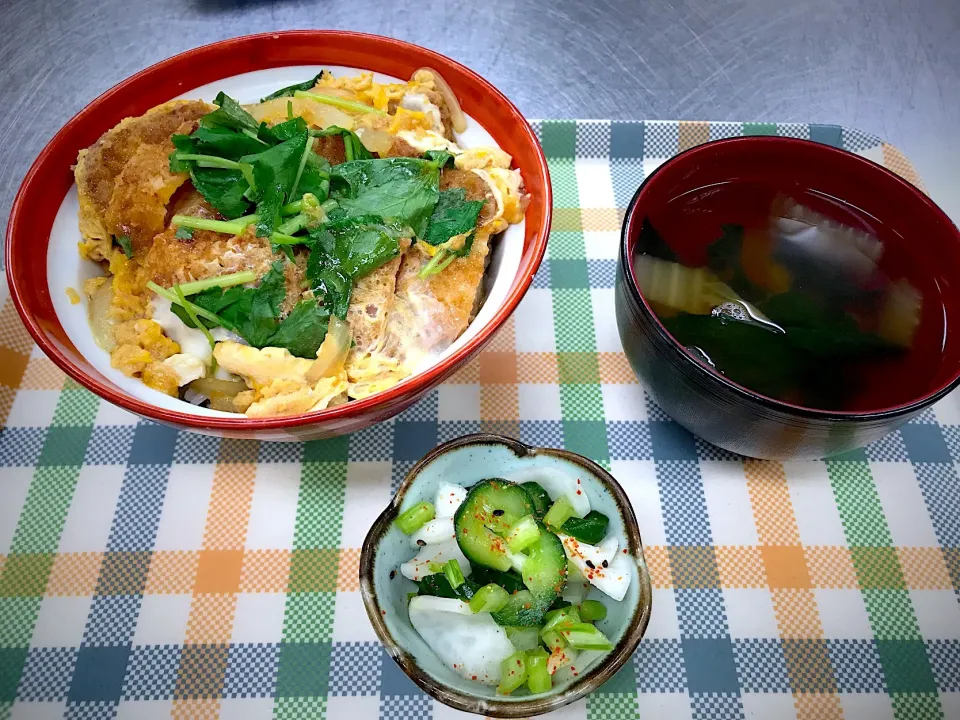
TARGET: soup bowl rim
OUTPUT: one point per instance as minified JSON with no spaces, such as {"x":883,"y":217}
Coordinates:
{"x":630,"y":229}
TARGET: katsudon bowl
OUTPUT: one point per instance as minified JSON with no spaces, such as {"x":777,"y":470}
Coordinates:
{"x":44,"y":268}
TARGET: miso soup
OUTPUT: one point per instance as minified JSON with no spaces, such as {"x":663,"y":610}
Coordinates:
{"x":797,"y":296}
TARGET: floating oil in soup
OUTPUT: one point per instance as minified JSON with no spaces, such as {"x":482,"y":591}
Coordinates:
{"x":799,"y":297}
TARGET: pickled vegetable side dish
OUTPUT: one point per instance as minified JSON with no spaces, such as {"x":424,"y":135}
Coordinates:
{"x":503,"y":569}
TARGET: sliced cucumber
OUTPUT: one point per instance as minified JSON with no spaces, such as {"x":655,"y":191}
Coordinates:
{"x":591,"y":528}
{"x":509,"y":581}
{"x":520,"y":611}
{"x":488,"y":512}
{"x":491,"y":507}
{"x":545,"y":570}
{"x":541,"y":501}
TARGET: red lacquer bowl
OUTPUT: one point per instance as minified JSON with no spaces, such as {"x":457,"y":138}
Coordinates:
{"x":921,"y":244}
{"x":50,"y":179}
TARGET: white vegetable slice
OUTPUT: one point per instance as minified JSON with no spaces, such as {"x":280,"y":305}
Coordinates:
{"x":584,"y":660}
{"x":606,"y":550}
{"x":615,"y":579}
{"x":561,"y":658}
{"x":473,"y":645}
{"x":575,"y":592}
{"x":439,"y":553}
{"x":577,"y":587}
{"x":556,"y":483}
{"x":429,"y":603}
{"x":612,"y":580}
{"x":436,"y":531}
{"x":449,"y":497}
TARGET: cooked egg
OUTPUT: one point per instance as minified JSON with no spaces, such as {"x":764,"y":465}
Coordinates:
{"x":187,"y":367}
{"x":424,"y":140}
{"x":483,"y":158}
{"x":418,"y":102}
{"x":191,"y":340}
{"x":261,"y":365}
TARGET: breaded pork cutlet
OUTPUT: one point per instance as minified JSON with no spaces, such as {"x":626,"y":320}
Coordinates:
{"x":124,"y":179}
{"x":428,"y":314}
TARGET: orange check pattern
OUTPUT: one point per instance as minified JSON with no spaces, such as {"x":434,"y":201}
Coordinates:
{"x":149,"y":573}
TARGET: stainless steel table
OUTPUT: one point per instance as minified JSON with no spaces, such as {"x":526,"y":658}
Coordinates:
{"x":891,"y":67}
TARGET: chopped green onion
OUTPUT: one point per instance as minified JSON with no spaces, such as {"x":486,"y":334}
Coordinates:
{"x":559,"y":512}
{"x":560,"y":619}
{"x":453,"y":573}
{"x":489,"y":598}
{"x":303,"y":162}
{"x":523,"y":638}
{"x":539,"y":679}
{"x":338,"y":102}
{"x":513,"y":673}
{"x":289,"y":109}
{"x":435,"y":567}
{"x":415,"y":518}
{"x":209,"y":161}
{"x":172,"y":297}
{"x":183,"y":233}
{"x":553,"y":640}
{"x":592,"y":610}
{"x":585,"y":636}
{"x":524,"y":534}
{"x":188,"y":307}
{"x":221,"y":281}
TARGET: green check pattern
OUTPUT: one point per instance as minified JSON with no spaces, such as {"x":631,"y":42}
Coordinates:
{"x":146,"y":572}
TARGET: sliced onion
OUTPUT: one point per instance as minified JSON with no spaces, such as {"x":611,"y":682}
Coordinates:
{"x":314,"y":113}
{"x":210,"y":386}
{"x":333,"y":351}
{"x":457,"y":118}
{"x":376,"y":141}
{"x":100,"y":323}
{"x":224,"y":403}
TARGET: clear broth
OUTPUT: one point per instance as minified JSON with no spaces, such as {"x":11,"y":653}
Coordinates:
{"x":803,"y":371}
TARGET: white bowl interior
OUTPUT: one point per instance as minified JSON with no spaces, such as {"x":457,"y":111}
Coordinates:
{"x":66,"y":269}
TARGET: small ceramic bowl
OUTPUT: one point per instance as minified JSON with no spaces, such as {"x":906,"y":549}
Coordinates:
{"x":735,"y":417}
{"x":465,"y":461}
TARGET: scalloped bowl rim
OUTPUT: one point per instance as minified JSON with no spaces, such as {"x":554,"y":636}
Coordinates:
{"x":527,"y":705}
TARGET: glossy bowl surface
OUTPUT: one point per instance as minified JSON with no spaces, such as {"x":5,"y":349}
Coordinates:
{"x":728,"y":414}
{"x":467,"y":460}
{"x":50,"y":179}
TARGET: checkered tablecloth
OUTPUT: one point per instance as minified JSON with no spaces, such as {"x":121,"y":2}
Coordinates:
{"x":146,"y":571}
